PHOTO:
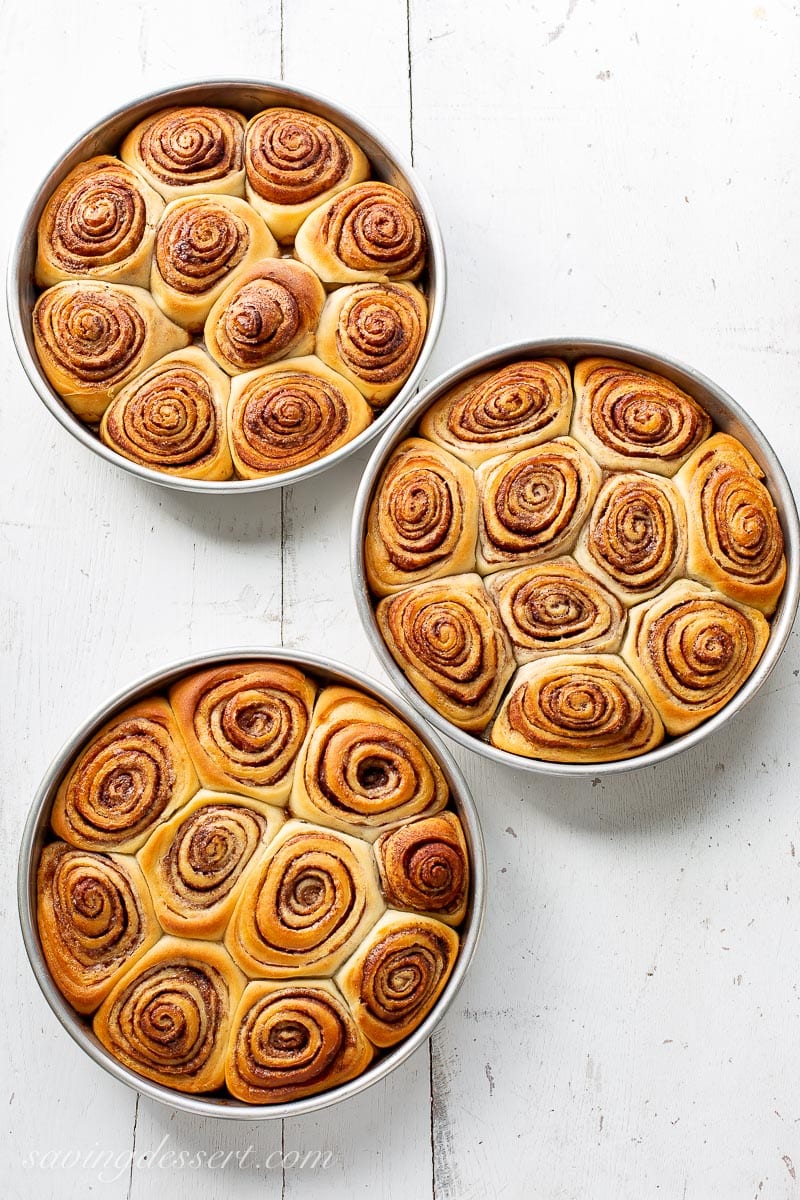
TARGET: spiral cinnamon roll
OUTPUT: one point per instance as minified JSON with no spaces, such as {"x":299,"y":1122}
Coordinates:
{"x":244,"y":724}
{"x":169,"y":1018}
{"x":295,"y":161}
{"x":172,"y":418}
{"x":92,"y":338}
{"x":502,"y":412}
{"x":370,"y":232}
{"x":577,"y":708}
{"x":735,"y":537}
{"x":396,"y":976}
{"x":196,"y":864}
{"x":372,"y":334}
{"x":95,"y":920}
{"x":99,"y":223}
{"x":291,"y":1040}
{"x":635,"y":538}
{"x":200,"y":242}
{"x":556,"y":606}
{"x":447,"y":638}
{"x":268,"y":312}
{"x":134,"y":772}
{"x":630,"y":419}
{"x":692,"y":650}
{"x":361,"y":768}
{"x":183,"y":151}
{"x":307,"y":904}
{"x":532,"y":504}
{"x":289,"y":414}
{"x":423,"y":520}
{"x":424,"y":866}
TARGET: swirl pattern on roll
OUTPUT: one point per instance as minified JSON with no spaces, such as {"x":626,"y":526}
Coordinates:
{"x":133,"y":772}
{"x":397,"y":974}
{"x":188,"y":150}
{"x":693,"y":649}
{"x":556,"y":606}
{"x":169,"y":1019}
{"x":244,"y":724}
{"x":577,"y":708}
{"x":447,"y":638}
{"x":424,"y":866}
{"x":307,"y":904}
{"x":632,"y":419}
{"x":362,"y":768}
{"x":292,"y":1040}
{"x":423,"y":520}
{"x":95,"y":920}
{"x":503,"y":411}
{"x":532,"y":504}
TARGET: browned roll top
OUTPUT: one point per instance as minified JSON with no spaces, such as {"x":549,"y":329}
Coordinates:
{"x":424,"y":866}
{"x":208,"y":854}
{"x":191,"y":145}
{"x":637,"y":531}
{"x":287,"y":419}
{"x":199,"y":242}
{"x":169,"y":421}
{"x":375,"y":227}
{"x":517,"y":400}
{"x":380,"y":331}
{"x":95,"y":334}
{"x":293,"y":156}
{"x":740,"y":523}
{"x":270,"y":310}
{"x":96,"y":217}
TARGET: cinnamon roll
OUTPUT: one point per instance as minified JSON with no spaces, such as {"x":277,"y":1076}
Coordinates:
{"x":172,"y":418}
{"x":244,"y":724}
{"x":267,"y":312}
{"x":95,"y":920}
{"x":169,"y":1018}
{"x":372,"y":334}
{"x":631,"y":419}
{"x":196,"y":864}
{"x":92,"y":338}
{"x":291,"y":413}
{"x":183,"y":151}
{"x":291,"y":1040}
{"x":502,"y":412}
{"x":635,"y":538}
{"x":692,"y":650}
{"x":532,"y":504}
{"x":99,"y":223}
{"x":423,"y":520}
{"x":556,"y":606}
{"x":447,"y":638}
{"x":309,"y":902}
{"x":370,"y":232}
{"x":397,"y":974}
{"x":735,"y":538}
{"x":424,"y":866}
{"x":134,"y":772}
{"x":576,"y":708}
{"x":200,"y":242}
{"x":295,"y":161}
{"x":361,"y":768}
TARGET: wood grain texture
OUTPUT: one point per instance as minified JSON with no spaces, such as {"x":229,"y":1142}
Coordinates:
{"x":629,"y":1025}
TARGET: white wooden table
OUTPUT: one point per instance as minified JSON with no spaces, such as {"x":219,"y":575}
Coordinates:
{"x":631,"y":1026}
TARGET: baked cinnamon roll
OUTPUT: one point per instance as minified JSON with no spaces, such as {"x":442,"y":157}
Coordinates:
{"x":424,"y":866}
{"x":533,"y":504}
{"x":244,"y":724}
{"x":735,"y":537}
{"x":295,"y":161}
{"x":370,"y":232}
{"x":95,"y":920}
{"x":502,"y":412}
{"x":423,"y":520}
{"x":361,"y":768}
{"x":448,"y":640}
{"x":692,"y":650}
{"x":372,"y":333}
{"x":98,"y":224}
{"x":93,"y":338}
{"x":307,"y":904}
{"x":267,"y":312}
{"x":172,"y":418}
{"x":397,"y":974}
{"x":183,"y":151}
{"x":630,"y":419}
{"x":575,"y":708}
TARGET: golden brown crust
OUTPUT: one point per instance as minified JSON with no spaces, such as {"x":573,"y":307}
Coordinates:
{"x":190,"y":149}
{"x":424,"y":866}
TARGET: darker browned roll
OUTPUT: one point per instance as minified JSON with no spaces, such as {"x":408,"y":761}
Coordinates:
{"x":424,"y":866}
